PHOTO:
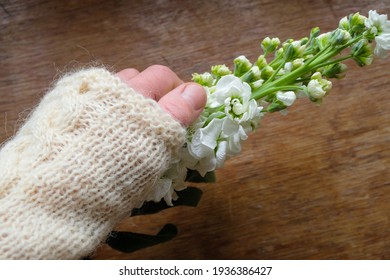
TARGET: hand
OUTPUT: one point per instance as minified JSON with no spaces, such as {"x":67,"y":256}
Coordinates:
{"x":184,"y":101}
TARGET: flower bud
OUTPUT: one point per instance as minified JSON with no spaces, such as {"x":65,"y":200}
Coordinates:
{"x":220,"y":70}
{"x":257,"y":84}
{"x":318,"y":87}
{"x":339,"y":37}
{"x":314,"y":32}
{"x":281,"y":101}
{"x":356,"y":22}
{"x":287,"y":42}
{"x":337,"y":70}
{"x":205,"y":79}
{"x":323,"y":40}
{"x":252,"y":75}
{"x":241,"y":65}
{"x":269,"y":45}
{"x":293,"y":50}
{"x":362,"y":53}
{"x":296,"y":63}
{"x":267,"y":72}
{"x":261,"y":62}
{"x":275,"y":42}
{"x":344,"y":23}
{"x":287,"y":97}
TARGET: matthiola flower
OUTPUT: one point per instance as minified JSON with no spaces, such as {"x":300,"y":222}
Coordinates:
{"x":287,"y":98}
{"x":318,"y":87}
{"x":297,"y":68}
{"x":380,"y":27}
{"x":235,"y":96}
{"x":221,"y":137}
{"x":204,"y":140}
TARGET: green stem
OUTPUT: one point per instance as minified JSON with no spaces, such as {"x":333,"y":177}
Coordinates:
{"x":334,"y":61}
{"x":270,"y":90}
{"x":317,"y":60}
{"x":276,"y":61}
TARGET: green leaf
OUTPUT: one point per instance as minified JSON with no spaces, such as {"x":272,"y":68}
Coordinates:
{"x":128,"y":242}
{"x":187,"y":197}
{"x":194,"y":177}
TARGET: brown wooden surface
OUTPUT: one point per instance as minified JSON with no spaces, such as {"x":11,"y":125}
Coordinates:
{"x":311,"y":185}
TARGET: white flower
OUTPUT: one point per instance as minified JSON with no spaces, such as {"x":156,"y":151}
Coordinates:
{"x":315,"y":89}
{"x":318,"y":87}
{"x":241,"y":112}
{"x":202,"y":147}
{"x":172,"y":180}
{"x":380,"y":27}
{"x":229,"y":86}
{"x":287,"y":98}
{"x":235,"y":95}
{"x":221,"y":138}
{"x":204,"y":140}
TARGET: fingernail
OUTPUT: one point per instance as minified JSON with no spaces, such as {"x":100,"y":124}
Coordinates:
{"x":195,"y":96}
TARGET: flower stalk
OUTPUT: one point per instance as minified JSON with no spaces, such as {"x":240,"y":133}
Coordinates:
{"x":239,"y":99}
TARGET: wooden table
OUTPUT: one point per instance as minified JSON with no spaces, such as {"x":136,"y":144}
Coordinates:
{"x":314,"y":184}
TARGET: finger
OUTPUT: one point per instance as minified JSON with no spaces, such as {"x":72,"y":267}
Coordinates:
{"x":155,"y":81}
{"x":185,"y":103}
{"x":127,"y":74}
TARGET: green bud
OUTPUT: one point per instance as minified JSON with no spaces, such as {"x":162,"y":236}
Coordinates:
{"x":241,"y":65}
{"x":314,"y":32}
{"x":339,"y":37}
{"x":205,"y":79}
{"x":257,"y":84}
{"x":252,"y":75}
{"x":298,"y":63}
{"x":293,"y":50}
{"x":269,"y":45}
{"x":220,"y":70}
{"x":267,"y":72}
{"x":344,"y":23}
{"x":265,"y":43}
{"x":357,"y":24}
{"x":323,"y":40}
{"x":362,"y":53}
{"x":279,"y":52}
{"x":261,"y":62}
{"x":287,"y":42}
{"x":304,"y":41}
{"x":337,"y":70}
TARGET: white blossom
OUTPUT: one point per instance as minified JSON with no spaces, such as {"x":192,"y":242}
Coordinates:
{"x":235,"y":95}
{"x":202,"y":146}
{"x":221,"y":138}
{"x":380,"y":27}
{"x":318,"y":87}
{"x":287,"y":97}
{"x":315,"y":89}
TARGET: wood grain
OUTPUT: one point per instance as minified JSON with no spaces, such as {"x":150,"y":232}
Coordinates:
{"x":314,"y":184}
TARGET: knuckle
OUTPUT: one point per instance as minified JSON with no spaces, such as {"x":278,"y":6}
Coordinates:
{"x":162,"y":69}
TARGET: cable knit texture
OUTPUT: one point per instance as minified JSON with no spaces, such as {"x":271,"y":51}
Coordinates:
{"x":89,"y":153}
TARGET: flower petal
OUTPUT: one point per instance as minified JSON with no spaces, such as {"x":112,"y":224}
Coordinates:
{"x":287,"y":98}
{"x":221,"y":153}
{"x":229,"y":127}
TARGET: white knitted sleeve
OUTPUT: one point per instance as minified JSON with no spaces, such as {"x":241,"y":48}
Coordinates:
{"x":88,"y":154}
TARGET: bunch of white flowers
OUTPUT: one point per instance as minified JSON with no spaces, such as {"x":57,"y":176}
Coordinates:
{"x":238,"y":99}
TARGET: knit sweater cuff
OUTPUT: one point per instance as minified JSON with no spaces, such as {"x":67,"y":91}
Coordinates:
{"x":90,"y":152}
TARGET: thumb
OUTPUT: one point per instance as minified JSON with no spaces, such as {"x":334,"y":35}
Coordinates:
{"x":185,"y":103}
